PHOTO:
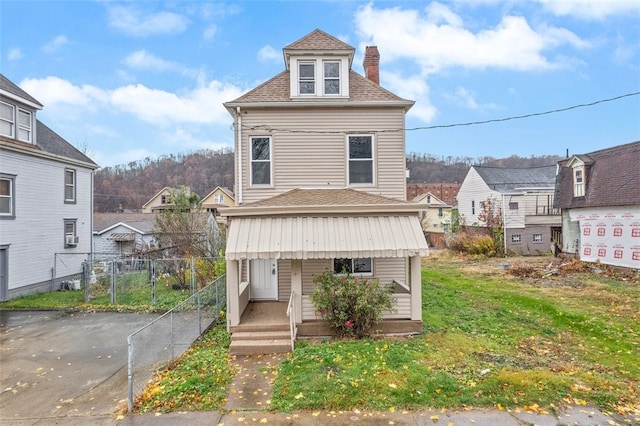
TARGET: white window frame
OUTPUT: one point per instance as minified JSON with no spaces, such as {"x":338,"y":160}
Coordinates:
{"x":24,"y":128}
{"x":537,"y":238}
{"x":70,"y":232}
{"x":516,"y":238}
{"x":253,"y":161}
{"x":10,"y":120}
{"x":307,"y":80}
{"x":11,"y":179}
{"x":326,"y":78}
{"x":70,"y":185}
{"x":218,"y":198}
{"x":578,"y":181}
{"x":353,"y":267}
{"x":372,"y":160}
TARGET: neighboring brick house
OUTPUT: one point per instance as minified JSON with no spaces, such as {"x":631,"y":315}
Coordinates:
{"x":599,"y":194}
{"x":446,"y":192}
{"x":524,"y":197}
{"x":320,"y":186}
{"x":46,"y":200}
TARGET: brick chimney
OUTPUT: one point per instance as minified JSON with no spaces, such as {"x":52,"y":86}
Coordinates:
{"x":370,"y":64}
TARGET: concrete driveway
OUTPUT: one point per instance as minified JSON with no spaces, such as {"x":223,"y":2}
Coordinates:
{"x":60,"y":367}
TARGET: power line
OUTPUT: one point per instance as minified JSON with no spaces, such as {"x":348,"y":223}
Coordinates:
{"x":444,"y":126}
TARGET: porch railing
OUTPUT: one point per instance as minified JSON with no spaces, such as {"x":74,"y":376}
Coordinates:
{"x":291,"y":313}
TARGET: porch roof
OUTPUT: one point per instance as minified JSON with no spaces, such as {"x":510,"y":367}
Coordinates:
{"x":311,"y":237}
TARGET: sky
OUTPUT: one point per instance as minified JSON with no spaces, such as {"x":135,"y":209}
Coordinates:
{"x":129,"y":80}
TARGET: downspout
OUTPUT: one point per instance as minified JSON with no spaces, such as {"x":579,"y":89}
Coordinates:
{"x":91,"y":248}
{"x":239,"y":154}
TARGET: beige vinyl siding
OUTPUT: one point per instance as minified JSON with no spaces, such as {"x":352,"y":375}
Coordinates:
{"x":314,"y":160}
{"x":402,"y":308}
{"x":390,"y":269}
{"x":311,"y":268}
{"x":284,"y":280}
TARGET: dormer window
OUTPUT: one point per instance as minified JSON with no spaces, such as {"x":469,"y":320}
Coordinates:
{"x":307,"y":77}
{"x":332,"y":78}
{"x":8,"y":121}
{"x":578,"y":181}
{"x":319,"y":77}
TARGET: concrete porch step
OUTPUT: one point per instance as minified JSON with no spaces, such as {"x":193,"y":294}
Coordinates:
{"x":261,"y":335}
{"x":254,"y":347}
{"x":284,"y":327}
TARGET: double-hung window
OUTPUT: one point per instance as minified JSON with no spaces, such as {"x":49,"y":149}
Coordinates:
{"x":218,"y":198}
{"x":360,"y":148}
{"x":7,"y":196}
{"x":7,"y":119}
{"x":24,"y":125}
{"x":353,"y":266}
{"x":261,"y":160}
{"x":69,"y":186}
{"x":307,"y":78}
{"x":70,"y":236}
{"x":331,"y":78}
{"x":578,"y":182}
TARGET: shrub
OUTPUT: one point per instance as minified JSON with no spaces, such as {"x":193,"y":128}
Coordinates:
{"x":473,"y":244}
{"x":352,"y":305}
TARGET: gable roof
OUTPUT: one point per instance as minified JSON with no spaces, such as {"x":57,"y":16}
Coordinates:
{"x":226,"y":191}
{"x":612,"y":178}
{"x":12,"y":90}
{"x":318,"y":40}
{"x":141,"y":222}
{"x":275,"y":92}
{"x":517,"y":179}
{"x":435,"y":201}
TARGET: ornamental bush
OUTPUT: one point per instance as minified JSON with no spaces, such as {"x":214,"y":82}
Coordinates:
{"x":352,"y":305}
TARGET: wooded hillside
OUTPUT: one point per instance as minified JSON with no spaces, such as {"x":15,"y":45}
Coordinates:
{"x":130,"y":186}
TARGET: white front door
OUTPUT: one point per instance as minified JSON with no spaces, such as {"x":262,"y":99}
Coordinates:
{"x":264,"y":279}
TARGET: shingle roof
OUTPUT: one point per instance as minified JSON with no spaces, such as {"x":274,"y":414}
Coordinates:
{"x":9,"y":86}
{"x":324,"y":197}
{"x":612,"y":178}
{"x":277,"y":90}
{"x":510,"y":179}
{"x":49,"y":141}
{"x":141,"y":221}
{"x":318,"y":39}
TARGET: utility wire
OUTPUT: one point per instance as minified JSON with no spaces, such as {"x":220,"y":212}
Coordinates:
{"x":444,"y":126}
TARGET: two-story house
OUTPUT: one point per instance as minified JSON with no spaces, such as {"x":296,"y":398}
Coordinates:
{"x":435,"y":219}
{"x":523,"y":197}
{"x":320,"y":185}
{"x":218,"y":198}
{"x":46,"y":199}
{"x":599,"y":194}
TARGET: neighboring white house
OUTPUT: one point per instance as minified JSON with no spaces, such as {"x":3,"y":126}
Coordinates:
{"x":524,"y":199}
{"x":599,"y":194}
{"x":46,"y":200}
{"x":320,"y":185}
{"x":122,"y":234}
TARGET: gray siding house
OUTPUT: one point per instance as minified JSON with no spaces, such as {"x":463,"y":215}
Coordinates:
{"x":320,"y":182}
{"x":599,"y":194}
{"x":524,"y":197}
{"x":46,"y":199}
{"x":122,"y":234}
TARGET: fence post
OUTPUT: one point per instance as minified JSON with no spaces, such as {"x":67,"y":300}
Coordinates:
{"x":199,"y":314}
{"x":152,"y":270}
{"x":130,"y":373}
{"x":113,"y":267}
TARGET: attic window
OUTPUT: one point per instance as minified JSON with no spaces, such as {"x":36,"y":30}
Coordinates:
{"x":306,"y":78}
{"x":332,"y":78}
{"x":578,"y":181}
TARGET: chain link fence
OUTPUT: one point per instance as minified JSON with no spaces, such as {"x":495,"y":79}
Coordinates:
{"x":166,"y":338}
{"x":136,"y":281}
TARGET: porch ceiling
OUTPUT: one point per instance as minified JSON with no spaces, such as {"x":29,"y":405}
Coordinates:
{"x":325,"y":237}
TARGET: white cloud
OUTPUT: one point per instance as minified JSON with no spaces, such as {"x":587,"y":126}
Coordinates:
{"x":143,"y":60}
{"x":412,"y":88}
{"x":55,"y":44}
{"x":467,"y":99}
{"x":14,"y":54}
{"x":438,"y":39}
{"x":210,"y":32}
{"x":591,"y":9}
{"x":53,"y":90}
{"x":268,"y":54}
{"x":132,"y":21}
{"x":186,"y":140}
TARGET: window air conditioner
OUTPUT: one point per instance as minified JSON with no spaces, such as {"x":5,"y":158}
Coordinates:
{"x":71,"y":240}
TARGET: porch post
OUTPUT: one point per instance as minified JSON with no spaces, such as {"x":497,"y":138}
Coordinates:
{"x":296,"y":287}
{"x":233,"y":282}
{"x":415,"y":267}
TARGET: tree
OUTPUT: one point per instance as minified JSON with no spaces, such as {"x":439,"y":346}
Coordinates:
{"x":491,"y":215}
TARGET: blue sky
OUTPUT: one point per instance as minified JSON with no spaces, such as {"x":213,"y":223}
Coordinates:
{"x":130,"y":80}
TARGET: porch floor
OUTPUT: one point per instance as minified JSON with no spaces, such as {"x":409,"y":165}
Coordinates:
{"x":265,"y":313}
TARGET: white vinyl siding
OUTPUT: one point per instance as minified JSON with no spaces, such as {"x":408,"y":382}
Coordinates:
{"x":36,"y":235}
{"x":317,"y":160}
